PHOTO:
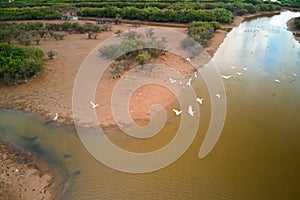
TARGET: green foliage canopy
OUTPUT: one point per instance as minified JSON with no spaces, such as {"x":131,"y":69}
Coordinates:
{"x":17,"y":64}
{"x":159,"y":15}
{"x":201,"y":32}
{"x":28,"y":14}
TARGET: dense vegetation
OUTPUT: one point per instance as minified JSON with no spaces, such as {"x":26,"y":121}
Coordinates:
{"x":291,"y":3}
{"x":28,"y":13}
{"x":202,"y":32}
{"x":175,"y":4}
{"x":17,"y":64}
{"x":162,"y":10}
{"x":297,"y":23}
{"x":26,"y":33}
{"x":135,"y":48}
{"x":159,"y":15}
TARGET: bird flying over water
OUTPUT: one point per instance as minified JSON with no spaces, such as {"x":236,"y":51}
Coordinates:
{"x":277,"y":81}
{"x":190,"y":111}
{"x":239,"y":73}
{"x":226,"y":77}
{"x":199,"y":100}
{"x":177,"y":112}
{"x":245,"y":68}
{"x":93,"y":104}
{"x":294,"y":74}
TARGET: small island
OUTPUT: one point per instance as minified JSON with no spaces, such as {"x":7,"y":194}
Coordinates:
{"x":294,"y":26}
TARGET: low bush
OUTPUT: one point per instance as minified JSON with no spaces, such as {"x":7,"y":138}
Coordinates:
{"x":17,"y":64}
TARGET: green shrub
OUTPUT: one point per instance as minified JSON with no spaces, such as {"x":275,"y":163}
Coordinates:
{"x":51,"y":54}
{"x":27,"y":14}
{"x":159,"y":15}
{"x":17,"y":64}
{"x":143,"y":58}
{"x":201,"y":32}
{"x":132,"y":50}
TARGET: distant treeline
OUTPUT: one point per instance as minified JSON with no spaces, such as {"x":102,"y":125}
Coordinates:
{"x":125,"y":3}
{"x":159,"y":15}
{"x":28,"y":14}
{"x":169,"y":10}
{"x":30,"y":3}
{"x":233,"y":7}
{"x":291,"y":3}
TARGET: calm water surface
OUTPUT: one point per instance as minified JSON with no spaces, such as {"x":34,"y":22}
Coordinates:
{"x":257,"y":156}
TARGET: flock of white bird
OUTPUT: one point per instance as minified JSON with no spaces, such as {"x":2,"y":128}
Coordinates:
{"x":200,"y":101}
{"x":239,"y":73}
{"x":191,"y":112}
{"x":91,"y":102}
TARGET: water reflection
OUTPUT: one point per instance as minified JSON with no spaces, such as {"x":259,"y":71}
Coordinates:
{"x":264,"y":44}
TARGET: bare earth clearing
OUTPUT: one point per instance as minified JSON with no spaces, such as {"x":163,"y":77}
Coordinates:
{"x":51,"y":91}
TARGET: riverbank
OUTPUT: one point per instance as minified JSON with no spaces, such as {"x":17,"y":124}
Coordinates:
{"x":51,"y":92}
{"x":291,"y":27}
{"x":23,"y":177}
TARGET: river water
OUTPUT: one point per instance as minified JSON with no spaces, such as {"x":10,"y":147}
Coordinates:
{"x":256,"y":157}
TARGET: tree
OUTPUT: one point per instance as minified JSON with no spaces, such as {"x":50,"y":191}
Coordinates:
{"x":149,"y":33}
{"x":187,"y":42}
{"x":51,"y":54}
{"x":143,"y":58}
{"x":37,"y":40}
{"x":118,"y":32}
{"x":58,"y":36}
{"x":19,"y":63}
{"x":42,"y":32}
{"x":116,"y":70}
{"x":95,"y":36}
{"x":201,"y":32}
{"x":118,"y":19}
{"x":223,"y":16}
{"x":133,"y":48}
{"x":131,"y":35}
